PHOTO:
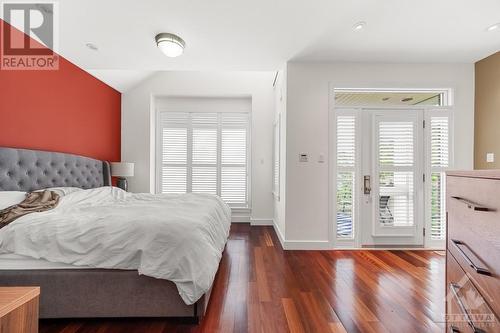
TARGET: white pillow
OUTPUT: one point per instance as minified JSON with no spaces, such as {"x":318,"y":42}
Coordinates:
{"x":9,"y":198}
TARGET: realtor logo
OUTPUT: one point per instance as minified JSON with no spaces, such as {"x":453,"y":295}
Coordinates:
{"x":29,"y":36}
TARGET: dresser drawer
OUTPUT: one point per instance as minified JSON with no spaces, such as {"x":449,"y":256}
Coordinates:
{"x":473,"y":209}
{"x":466,"y":308}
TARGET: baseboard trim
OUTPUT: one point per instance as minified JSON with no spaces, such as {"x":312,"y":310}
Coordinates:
{"x":262,"y":222}
{"x":307,"y":245}
{"x":240,"y":219}
{"x":278,"y":232}
{"x":312,"y":245}
{"x":299,"y":244}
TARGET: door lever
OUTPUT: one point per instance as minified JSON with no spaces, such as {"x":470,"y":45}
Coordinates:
{"x":367,"y":188}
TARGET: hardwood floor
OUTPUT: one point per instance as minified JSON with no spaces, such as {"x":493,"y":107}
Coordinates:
{"x":261,"y":288}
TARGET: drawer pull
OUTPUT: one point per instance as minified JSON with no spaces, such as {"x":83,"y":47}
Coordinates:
{"x":479,"y":266}
{"x":454,"y":329}
{"x":454,"y":290}
{"x":473,"y":205}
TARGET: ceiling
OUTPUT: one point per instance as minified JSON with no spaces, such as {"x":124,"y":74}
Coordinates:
{"x":264,"y":34}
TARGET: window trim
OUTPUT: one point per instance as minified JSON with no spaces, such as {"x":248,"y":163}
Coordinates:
{"x":158,"y":150}
{"x":277,"y":158}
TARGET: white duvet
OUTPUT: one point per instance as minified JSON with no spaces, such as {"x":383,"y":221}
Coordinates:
{"x":175,"y":237}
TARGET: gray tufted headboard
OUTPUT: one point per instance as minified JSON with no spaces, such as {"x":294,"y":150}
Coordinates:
{"x":30,"y":170}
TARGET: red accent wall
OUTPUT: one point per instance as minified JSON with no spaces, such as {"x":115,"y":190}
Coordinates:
{"x":65,"y":110}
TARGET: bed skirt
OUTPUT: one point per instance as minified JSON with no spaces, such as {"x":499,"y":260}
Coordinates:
{"x":97,"y":293}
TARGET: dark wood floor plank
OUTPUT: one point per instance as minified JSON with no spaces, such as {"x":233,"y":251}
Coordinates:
{"x":262,"y":288}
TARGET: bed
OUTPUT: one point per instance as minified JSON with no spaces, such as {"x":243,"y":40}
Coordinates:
{"x":69,"y":291}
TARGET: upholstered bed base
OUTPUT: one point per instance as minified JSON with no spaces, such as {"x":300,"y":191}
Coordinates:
{"x":93,"y":293}
{"x":84,"y":293}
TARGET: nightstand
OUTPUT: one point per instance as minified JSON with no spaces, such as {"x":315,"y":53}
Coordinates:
{"x":19,"y":309}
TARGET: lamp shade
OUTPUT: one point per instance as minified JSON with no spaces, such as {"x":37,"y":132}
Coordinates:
{"x":122,"y":169}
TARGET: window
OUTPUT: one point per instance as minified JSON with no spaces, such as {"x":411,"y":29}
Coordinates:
{"x":346,"y":175}
{"x":439,"y":160}
{"x":205,"y":152}
{"x":391,"y":97}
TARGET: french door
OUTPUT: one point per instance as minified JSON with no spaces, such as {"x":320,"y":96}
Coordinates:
{"x":394,"y":163}
{"x":389,"y":177}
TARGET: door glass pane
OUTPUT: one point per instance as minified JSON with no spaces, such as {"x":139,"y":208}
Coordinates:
{"x":396,"y":143}
{"x":396,"y":198}
{"x":345,"y":204}
{"x":396,"y":171}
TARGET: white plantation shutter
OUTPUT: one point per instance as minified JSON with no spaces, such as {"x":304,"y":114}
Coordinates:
{"x":346,"y":141}
{"x":174,"y":159}
{"x":205,"y":152}
{"x":396,"y":167}
{"x":439,"y":162}
{"x":346,"y":175}
{"x":396,"y":146}
{"x":234,"y":156}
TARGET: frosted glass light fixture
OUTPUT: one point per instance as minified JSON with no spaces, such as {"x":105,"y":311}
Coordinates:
{"x":171,"y":45}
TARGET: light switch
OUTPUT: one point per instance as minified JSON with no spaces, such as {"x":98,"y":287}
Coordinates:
{"x":303,"y":157}
{"x":321,"y":158}
{"x":490,"y":157}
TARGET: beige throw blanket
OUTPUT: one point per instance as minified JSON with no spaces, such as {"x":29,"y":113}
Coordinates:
{"x":34,"y":202}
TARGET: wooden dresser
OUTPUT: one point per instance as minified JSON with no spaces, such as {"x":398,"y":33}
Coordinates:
{"x":473,"y":251}
{"x":19,"y":309}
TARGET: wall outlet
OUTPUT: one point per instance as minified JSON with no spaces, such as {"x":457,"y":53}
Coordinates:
{"x":321,"y":158}
{"x":303,"y":157}
{"x":490,"y":157}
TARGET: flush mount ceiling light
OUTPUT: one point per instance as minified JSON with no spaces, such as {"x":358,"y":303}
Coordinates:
{"x":493,"y":27}
{"x":91,"y":46}
{"x":171,"y":45}
{"x":359,"y":26}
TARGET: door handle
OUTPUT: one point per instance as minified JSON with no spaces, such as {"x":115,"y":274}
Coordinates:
{"x":367,"y":187}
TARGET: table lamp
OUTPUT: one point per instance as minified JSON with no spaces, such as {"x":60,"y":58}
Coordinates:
{"x":122,"y":170}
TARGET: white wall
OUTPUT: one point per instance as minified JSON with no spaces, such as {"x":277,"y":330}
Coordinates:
{"x":307,"y":115}
{"x":280,"y":111}
{"x":138,"y":111}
